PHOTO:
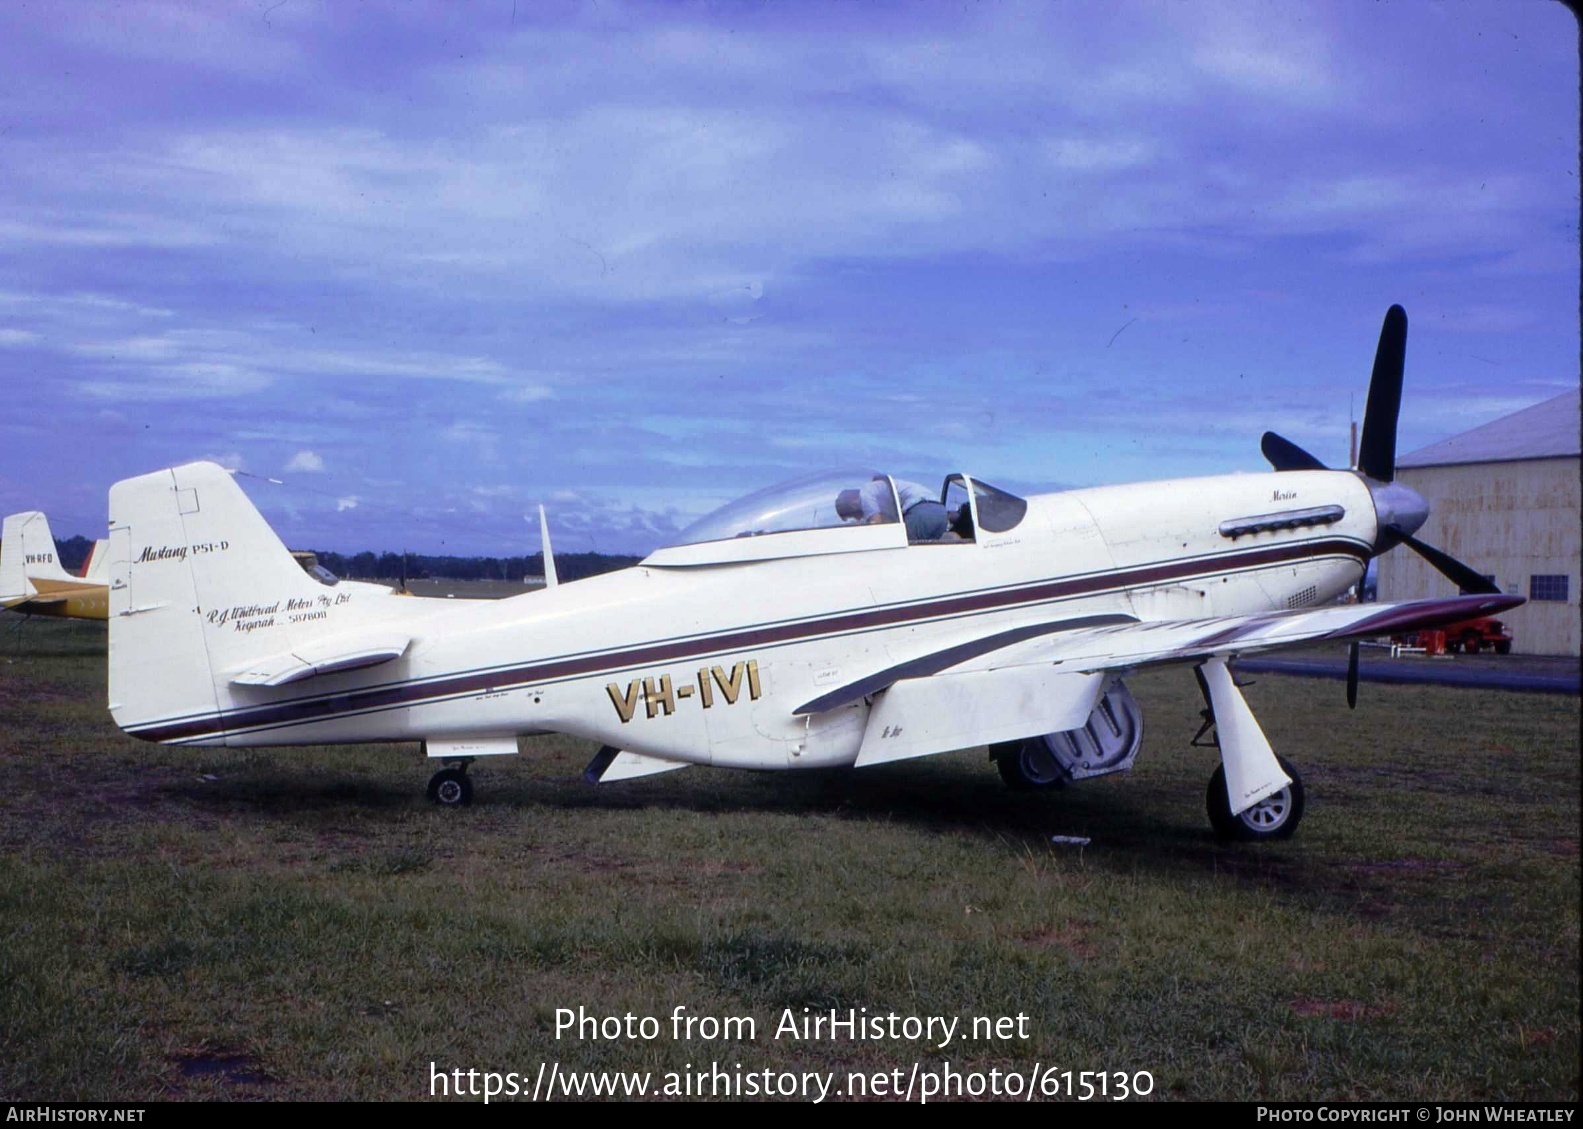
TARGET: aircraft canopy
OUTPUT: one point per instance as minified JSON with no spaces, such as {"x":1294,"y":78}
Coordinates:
{"x":803,"y":503}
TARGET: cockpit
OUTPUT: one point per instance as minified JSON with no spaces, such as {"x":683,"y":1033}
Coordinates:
{"x":844,"y":511}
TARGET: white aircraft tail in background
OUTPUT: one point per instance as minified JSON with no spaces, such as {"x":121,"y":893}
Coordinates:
{"x":32,"y":580}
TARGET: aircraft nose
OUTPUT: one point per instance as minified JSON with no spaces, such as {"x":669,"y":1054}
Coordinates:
{"x":1397,"y":508}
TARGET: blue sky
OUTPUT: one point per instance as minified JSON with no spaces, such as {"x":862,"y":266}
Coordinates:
{"x":431,"y":265}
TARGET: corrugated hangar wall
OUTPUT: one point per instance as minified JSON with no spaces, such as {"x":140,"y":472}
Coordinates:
{"x":1515,"y":520}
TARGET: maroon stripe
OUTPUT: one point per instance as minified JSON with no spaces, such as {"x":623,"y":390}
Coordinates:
{"x":1425,"y":614}
{"x":398,"y":694}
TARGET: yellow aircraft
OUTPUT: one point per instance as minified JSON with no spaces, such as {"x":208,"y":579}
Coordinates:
{"x":33,"y":582}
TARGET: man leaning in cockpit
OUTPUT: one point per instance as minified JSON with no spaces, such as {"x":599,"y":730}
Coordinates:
{"x":920,"y":509}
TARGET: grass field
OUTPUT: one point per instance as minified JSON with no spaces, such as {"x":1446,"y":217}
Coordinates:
{"x":302,"y":924}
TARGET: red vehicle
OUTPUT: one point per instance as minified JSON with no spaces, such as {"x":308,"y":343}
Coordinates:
{"x":1470,"y":637}
{"x":1474,"y":635}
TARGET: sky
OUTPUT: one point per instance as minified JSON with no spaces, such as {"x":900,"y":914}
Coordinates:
{"x":430,"y":265}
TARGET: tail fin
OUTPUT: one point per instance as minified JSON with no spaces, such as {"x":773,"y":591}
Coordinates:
{"x":27,"y":553}
{"x":206,"y":604}
{"x":97,"y":567}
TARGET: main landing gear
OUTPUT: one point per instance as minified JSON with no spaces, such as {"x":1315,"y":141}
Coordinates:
{"x":450,"y":787}
{"x":1274,"y":817}
{"x":1027,"y":765}
{"x":1231,"y":727}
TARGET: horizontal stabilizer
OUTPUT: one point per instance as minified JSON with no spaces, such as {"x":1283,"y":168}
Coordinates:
{"x":922,"y":716}
{"x":611,"y":764}
{"x":326,"y":656}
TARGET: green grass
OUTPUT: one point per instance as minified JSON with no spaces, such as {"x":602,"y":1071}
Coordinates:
{"x":301,"y":924}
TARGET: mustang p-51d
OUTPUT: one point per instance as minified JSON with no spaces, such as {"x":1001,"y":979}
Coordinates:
{"x":777,"y":634}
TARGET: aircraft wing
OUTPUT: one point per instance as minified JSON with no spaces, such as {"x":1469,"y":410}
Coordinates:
{"x":1102,"y":643}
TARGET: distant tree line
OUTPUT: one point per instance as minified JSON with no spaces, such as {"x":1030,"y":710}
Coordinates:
{"x":72,"y":552}
{"x":388,"y":566}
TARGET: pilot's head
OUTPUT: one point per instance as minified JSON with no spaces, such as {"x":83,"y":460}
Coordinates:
{"x":849,"y":506}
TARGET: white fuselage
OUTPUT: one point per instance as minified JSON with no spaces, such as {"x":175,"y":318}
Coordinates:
{"x":708,"y":663}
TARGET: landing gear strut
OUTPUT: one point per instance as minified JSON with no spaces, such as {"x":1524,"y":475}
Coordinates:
{"x":450,"y":787}
{"x":1254,"y":766}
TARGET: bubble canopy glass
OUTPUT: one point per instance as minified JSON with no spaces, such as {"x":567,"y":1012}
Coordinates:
{"x":802,"y":504}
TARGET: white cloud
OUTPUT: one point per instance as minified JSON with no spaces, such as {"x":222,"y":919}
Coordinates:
{"x":1085,"y":154}
{"x":305,"y":461}
{"x":347,"y":503}
{"x":528,"y":393}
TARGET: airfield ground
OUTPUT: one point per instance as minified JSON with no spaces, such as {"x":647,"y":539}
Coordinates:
{"x":302,"y":924}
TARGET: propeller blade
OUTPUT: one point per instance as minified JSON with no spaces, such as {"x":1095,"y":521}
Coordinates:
{"x":1377,"y":449}
{"x":1286,"y":455}
{"x":1448,"y":566}
{"x":1352,"y":676}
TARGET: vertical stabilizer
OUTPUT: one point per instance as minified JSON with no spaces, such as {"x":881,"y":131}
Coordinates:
{"x":27,"y":553}
{"x":201,"y":590}
{"x":97,"y":567}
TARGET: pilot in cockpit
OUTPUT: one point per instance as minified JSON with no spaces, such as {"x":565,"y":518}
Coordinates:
{"x":920,"y":509}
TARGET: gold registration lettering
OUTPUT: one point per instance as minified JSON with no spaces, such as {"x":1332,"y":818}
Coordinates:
{"x":659,"y":695}
{"x":626,"y":704}
{"x":663,"y":698}
{"x":729,"y":687}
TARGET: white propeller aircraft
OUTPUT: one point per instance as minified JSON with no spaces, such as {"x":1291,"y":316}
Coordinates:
{"x":775,"y":635}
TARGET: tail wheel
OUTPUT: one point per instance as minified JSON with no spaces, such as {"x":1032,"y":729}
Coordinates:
{"x":450,"y":788}
{"x":1274,"y":817}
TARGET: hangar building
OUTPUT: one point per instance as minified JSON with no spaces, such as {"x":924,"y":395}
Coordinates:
{"x":1504,"y":498}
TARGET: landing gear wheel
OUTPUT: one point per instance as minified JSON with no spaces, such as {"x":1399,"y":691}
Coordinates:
{"x":1027,"y":765}
{"x":1274,"y":817}
{"x":450,"y":788}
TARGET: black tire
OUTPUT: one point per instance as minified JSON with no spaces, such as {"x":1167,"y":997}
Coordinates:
{"x":1470,"y":646}
{"x":451,"y":788}
{"x":1267,"y":820}
{"x":1027,"y":765}
{"x":1504,"y":647}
